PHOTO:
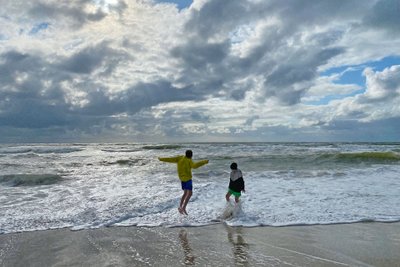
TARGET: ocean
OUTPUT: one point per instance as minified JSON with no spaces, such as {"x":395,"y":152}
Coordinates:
{"x":80,"y":186}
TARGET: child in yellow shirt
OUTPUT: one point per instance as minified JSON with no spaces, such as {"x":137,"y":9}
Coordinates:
{"x":185,"y":165}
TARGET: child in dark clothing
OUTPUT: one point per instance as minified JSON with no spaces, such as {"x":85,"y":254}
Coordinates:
{"x":236,"y":183}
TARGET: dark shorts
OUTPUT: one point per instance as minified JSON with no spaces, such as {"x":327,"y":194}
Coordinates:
{"x":187,"y":185}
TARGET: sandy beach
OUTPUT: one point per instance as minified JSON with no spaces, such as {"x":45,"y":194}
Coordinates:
{"x":359,"y":244}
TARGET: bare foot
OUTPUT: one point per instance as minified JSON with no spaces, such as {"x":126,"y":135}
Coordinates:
{"x":181,"y":210}
{"x":184,"y":211}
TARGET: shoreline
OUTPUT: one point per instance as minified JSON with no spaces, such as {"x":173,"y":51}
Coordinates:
{"x":350,"y":244}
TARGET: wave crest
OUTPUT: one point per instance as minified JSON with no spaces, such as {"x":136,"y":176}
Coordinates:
{"x":161,"y":147}
{"x":30,"y":179}
{"x":369,"y":156}
{"x":38,"y":150}
{"x":126,"y":162}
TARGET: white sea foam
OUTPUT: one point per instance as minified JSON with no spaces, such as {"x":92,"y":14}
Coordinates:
{"x":90,"y":186}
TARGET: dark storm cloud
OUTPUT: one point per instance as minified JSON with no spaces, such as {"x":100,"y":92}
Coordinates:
{"x":33,"y":113}
{"x":91,"y":58}
{"x":238,"y":94}
{"x":201,"y":66}
{"x":135,"y":98}
{"x":301,"y":66}
{"x":385,"y":14}
{"x":283,"y":68}
{"x":83,"y":62}
{"x":218,"y":16}
{"x":23,"y":74}
{"x":200,"y":55}
{"x":23,"y":103}
{"x":27,"y":102}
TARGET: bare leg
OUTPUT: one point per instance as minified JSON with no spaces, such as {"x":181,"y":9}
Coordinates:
{"x":182,"y":199}
{"x":186,"y":197}
{"x":236,"y":199}
{"x":180,"y":209}
{"x":227,"y":196}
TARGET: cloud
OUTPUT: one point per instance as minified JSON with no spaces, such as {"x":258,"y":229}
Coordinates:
{"x":383,"y":85}
{"x":385,"y":14}
{"x":216,"y":70}
{"x":75,"y":12}
{"x":379,"y":102}
{"x":25,"y":102}
{"x":89,"y":59}
{"x":291,"y":79}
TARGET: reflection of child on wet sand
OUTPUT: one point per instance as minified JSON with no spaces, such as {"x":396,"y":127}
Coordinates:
{"x":239,"y":246}
{"x":185,"y":166}
{"x":236,"y":183}
{"x":187,"y":250}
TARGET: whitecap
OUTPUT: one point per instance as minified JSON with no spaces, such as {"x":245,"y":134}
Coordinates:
{"x":30,"y":179}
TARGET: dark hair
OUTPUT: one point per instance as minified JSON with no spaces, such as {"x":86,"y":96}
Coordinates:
{"x":234,"y":166}
{"x":189,"y":154}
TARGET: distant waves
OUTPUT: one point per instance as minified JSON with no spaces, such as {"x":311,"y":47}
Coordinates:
{"x":29,"y":179}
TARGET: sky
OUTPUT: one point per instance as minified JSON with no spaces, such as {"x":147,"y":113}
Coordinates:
{"x":199,"y":71}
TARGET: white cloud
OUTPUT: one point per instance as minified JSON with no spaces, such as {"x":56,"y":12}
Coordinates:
{"x":384,"y":84}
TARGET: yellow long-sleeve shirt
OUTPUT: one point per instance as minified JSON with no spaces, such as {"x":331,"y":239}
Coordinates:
{"x":184,"y":166}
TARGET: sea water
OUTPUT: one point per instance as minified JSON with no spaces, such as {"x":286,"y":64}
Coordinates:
{"x":50,"y":186}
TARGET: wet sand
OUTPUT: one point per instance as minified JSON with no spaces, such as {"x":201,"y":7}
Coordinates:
{"x":359,"y":244}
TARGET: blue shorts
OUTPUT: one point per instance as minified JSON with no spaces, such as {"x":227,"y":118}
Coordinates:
{"x":187,"y":185}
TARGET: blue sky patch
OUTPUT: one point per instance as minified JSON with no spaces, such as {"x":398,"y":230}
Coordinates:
{"x":181,"y":4}
{"x":39,"y":27}
{"x":353,"y":74}
{"x":384,"y":63}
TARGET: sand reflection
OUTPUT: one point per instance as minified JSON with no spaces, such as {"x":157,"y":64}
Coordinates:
{"x":187,"y":250}
{"x":239,"y":246}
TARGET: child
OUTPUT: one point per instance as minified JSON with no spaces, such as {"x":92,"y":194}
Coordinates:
{"x":236,"y":183}
{"x":185,"y":166}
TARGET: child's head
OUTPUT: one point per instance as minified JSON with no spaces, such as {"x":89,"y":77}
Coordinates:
{"x":189,"y":154}
{"x":234,"y":166}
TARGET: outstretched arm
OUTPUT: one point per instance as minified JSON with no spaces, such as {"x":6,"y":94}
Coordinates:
{"x":171,"y":160}
{"x":200,"y":163}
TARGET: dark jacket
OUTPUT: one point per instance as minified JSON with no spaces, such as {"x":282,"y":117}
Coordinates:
{"x":236,"y":182}
{"x":237,"y":185}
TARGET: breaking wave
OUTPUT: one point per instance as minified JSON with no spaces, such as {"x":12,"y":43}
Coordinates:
{"x":38,"y":150}
{"x":122,"y":150}
{"x":126,"y":162}
{"x":30,"y":179}
{"x":161,"y":147}
{"x":364,"y":157}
